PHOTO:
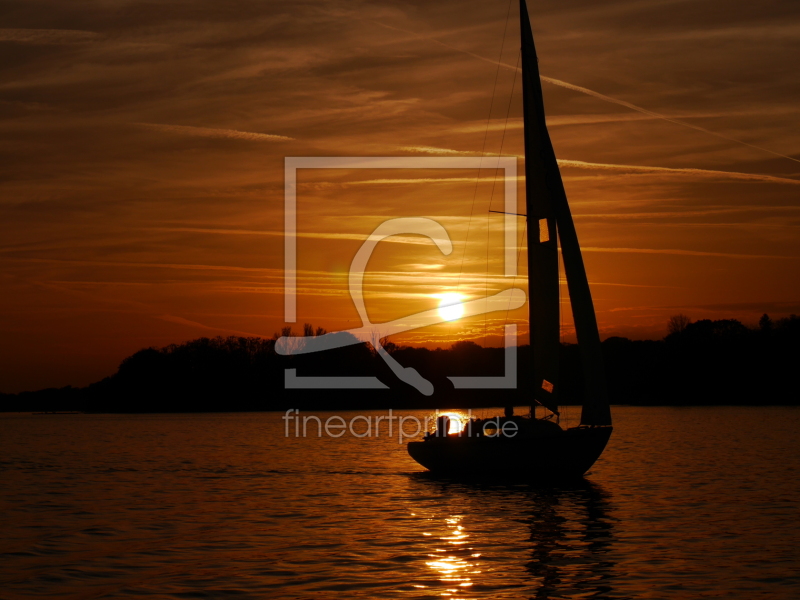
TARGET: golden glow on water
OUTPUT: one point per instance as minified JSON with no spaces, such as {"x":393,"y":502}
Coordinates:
{"x":454,"y":563}
{"x":229,"y":496}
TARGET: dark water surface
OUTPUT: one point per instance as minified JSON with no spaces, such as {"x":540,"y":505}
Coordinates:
{"x":685,"y":503}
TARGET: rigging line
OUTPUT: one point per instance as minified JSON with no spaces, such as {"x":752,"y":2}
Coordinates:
{"x":560,"y":258}
{"x":599,"y":96}
{"x":505,"y":129}
{"x":561,"y":298}
{"x":508,"y":306}
{"x":483,"y":152}
{"x":494,"y":184}
{"x":491,"y":196}
{"x":514,"y":282}
{"x":486,"y":272}
{"x":502,"y":142}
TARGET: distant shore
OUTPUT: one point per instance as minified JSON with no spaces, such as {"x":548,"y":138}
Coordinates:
{"x":705,"y":363}
{"x":340,"y":410}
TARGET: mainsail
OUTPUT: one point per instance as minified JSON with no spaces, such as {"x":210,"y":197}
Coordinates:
{"x":548,"y":212}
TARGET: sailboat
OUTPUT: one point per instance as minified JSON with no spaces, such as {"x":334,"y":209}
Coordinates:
{"x":538,"y":449}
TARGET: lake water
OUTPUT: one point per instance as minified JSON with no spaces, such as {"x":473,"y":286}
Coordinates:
{"x":685,"y":503}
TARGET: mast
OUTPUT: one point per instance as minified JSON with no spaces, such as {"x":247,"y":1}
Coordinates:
{"x":548,"y":212}
{"x":543,"y":297}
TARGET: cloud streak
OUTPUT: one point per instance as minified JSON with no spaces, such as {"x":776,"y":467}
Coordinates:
{"x":48,"y":36}
{"x":677,"y":252}
{"x":579,"y":164}
{"x":584,"y":165}
{"x":598,"y":95}
{"x":395,"y":239}
{"x":209,"y":132}
{"x":437,"y":151}
{"x":195,"y":324}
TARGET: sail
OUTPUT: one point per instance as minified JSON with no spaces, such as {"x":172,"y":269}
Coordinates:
{"x":548,"y":212}
{"x":543,"y":297}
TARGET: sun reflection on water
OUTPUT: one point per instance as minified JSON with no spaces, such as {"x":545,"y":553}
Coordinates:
{"x":455,"y":563}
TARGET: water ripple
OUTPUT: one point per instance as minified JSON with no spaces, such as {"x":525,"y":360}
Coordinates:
{"x":686,"y":503}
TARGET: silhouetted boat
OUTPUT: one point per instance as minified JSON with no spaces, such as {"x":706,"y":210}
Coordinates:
{"x":540,"y":449}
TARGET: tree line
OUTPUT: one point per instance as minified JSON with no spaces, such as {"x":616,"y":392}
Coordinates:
{"x":704,"y":362}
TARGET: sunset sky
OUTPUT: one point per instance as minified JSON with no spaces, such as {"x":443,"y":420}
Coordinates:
{"x":143,"y":146}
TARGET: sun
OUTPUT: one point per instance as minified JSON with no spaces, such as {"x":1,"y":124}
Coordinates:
{"x":457,"y":421}
{"x":450,"y":306}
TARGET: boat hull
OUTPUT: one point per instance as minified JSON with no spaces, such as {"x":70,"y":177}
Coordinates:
{"x":568,"y":454}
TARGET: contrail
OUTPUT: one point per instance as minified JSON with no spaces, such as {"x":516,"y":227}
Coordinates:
{"x":651,"y":113}
{"x":597,"y":95}
{"x":683,"y":252}
{"x":215,"y":133}
{"x":579,"y":164}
